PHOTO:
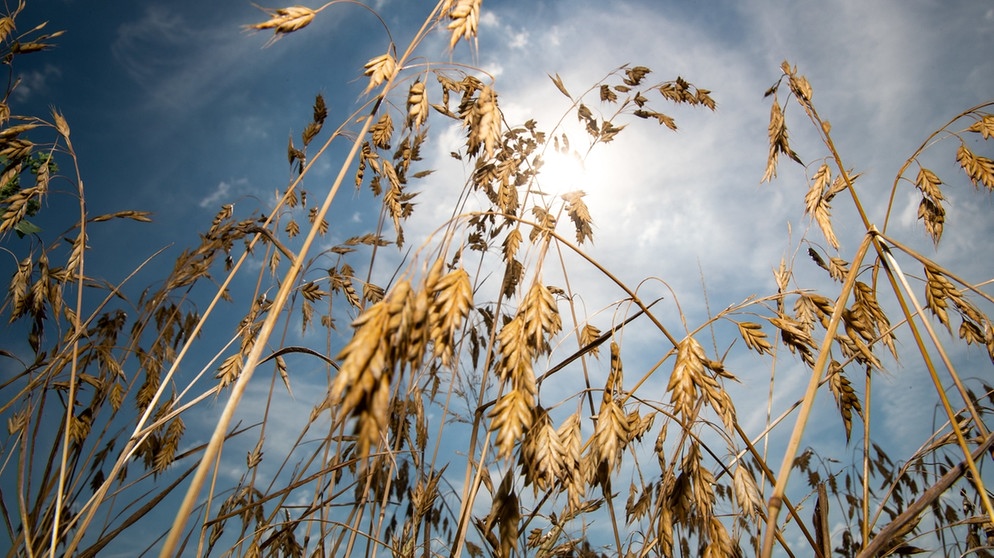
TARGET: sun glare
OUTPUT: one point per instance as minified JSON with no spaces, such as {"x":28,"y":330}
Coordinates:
{"x":561,"y":172}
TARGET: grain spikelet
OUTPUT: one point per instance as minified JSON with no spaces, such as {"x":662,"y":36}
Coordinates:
{"x":380,"y":69}
{"x":816,"y":192}
{"x":979,"y":169}
{"x":845,"y":396}
{"x":79,"y":426}
{"x":60,"y":123}
{"x":823,"y":216}
{"x":382,"y":131}
{"x":229,"y":370}
{"x":746,"y":492}
{"x":571,"y":474}
{"x":453,"y":299}
{"x":577,"y":211}
{"x":284,"y":20}
{"x":937,"y":291}
{"x":541,"y":453}
{"x":930,"y":209}
{"x":465,"y":16}
{"x":19,"y":289}
{"x":510,"y":417}
{"x":687,"y":370}
{"x":540,"y":315}
{"x":720,"y":542}
{"x":483,"y":119}
{"x":797,"y":339}
{"x":362,"y":386}
{"x":928,"y":183}
{"x":417,"y":105}
{"x":984,"y":126}
{"x":637,"y":508}
{"x":867,"y":301}
{"x":610,"y":436}
{"x":17,"y":209}
{"x":511,"y":244}
{"x":558,"y":81}
{"x":755,"y":338}
{"x":838,"y":268}
{"x":516,"y":353}
{"x":588,"y":335}
{"x":934,"y":216}
{"x":607,"y":94}
{"x":778,"y":141}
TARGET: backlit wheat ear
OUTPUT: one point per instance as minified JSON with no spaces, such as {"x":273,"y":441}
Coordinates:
{"x":542,"y":452}
{"x":687,"y":373}
{"x":984,"y":126}
{"x":465,"y":16}
{"x":816,"y":204}
{"x":510,"y":418}
{"x":453,"y":299}
{"x":379,"y":70}
{"x":482,"y":117}
{"x":362,"y":384}
{"x":580,"y":215}
{"x":778,"y":140}
{"x":417,"y":105}
{"x":284,"y":20}
{"x":747,"y":493}
{"x":845,"y":396}
{"x":572,"y":476}
{"x":979,"y":169}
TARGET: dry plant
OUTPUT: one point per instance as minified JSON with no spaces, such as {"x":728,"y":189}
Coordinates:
{"x":433,"y":436}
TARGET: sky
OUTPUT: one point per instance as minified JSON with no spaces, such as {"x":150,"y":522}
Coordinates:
{"x":176,"y":109}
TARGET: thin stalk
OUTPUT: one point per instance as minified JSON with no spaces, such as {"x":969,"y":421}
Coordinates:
{"x":70,"y":403}
{"x":960,"y":437}
{"x":865,"y":524}
{"x":824,"y":351}
{"x":252,"y":359}
{"x":884,"y":536}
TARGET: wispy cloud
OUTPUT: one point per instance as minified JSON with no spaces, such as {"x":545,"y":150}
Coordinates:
{"x":37,"y":81}
{"x":180,"y":62}
{"x":224,"y":192}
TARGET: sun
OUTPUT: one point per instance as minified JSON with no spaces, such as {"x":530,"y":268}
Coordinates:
{"x":562,"y":171}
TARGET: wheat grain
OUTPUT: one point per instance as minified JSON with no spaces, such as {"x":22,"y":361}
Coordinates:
{"x":465,"y":16}
{"x":845,"y":396}
{"x":380,"y":69}
{"x":578,"y":212}
{"x":687,"y":371}
{"x":754,"y":337}
{"x":417,"y":105}
{"x":453,"y":299}
{"x":284,"y":20}
{"x":382,"y":131}
{"x":541,"y":455}
{"x":979,"y":169}
{"x":983,"y":126}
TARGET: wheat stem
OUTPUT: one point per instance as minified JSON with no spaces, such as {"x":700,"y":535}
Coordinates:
{"x":892,"y":266}
{"x":252,"y":359}
{"x":804,"y":413}
{"x":77,"y":335}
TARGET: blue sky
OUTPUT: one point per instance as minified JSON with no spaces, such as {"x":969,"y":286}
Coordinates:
{"x":176,"y":109}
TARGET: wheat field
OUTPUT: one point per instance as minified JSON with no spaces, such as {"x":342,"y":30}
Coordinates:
{"x":470,"y":402}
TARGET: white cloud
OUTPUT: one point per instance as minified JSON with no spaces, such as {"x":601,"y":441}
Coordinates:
{"x":224,"y":192}
{"x":36,"y":82}
{"x":180,"y":62}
